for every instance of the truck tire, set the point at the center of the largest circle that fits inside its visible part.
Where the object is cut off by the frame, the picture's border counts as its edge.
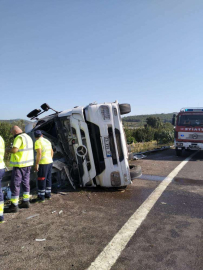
(124, 108)
(135, 171)
(179, 152)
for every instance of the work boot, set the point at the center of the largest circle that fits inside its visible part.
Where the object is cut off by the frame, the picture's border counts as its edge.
(1, 219)
(48, 197)
(40, 199)
(37, 200)
(11, 209)
(24, 204)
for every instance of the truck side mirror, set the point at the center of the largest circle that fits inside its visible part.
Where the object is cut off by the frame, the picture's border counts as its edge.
(45, 107)
(174, 120)
(34, 113)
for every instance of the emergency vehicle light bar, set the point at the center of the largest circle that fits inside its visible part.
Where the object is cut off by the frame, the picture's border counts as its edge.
(191, 110)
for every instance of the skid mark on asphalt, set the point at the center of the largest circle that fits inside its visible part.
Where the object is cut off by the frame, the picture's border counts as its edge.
(112, 251)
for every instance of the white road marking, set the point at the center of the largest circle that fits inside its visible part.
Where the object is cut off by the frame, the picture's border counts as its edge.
(112, 251)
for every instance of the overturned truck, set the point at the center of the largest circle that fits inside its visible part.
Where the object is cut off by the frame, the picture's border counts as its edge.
(89, 144)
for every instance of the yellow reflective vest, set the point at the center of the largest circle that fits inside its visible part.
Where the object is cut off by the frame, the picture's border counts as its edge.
(2, 152)
(25, 155)
(46, 148)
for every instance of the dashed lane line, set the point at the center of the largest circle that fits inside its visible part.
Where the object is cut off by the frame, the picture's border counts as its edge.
(112, 251)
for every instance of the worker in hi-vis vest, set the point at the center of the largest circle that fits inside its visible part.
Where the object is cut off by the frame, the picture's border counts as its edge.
(43, 166)
(2, 171)
(22, 158)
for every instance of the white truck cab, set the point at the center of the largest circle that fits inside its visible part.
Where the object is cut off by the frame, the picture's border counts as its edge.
(89, 143)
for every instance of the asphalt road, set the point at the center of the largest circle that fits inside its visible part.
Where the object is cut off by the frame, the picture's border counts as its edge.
(170, 237)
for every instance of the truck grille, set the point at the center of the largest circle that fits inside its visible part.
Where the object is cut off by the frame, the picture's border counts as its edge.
(190, 136)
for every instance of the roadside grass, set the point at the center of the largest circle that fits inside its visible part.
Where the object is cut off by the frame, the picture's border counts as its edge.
(145, 146)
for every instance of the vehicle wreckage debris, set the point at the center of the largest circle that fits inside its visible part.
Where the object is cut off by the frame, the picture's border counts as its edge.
(88, 197)
(63, 193)
(33, 216)
(53, 212)
(40, 240)
(60, 212)
(61, 166)
(58, 165)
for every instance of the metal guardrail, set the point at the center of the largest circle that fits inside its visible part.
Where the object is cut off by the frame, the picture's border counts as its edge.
(154, 150)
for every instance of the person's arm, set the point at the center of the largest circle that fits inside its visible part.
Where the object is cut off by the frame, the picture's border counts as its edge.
(16, 145)
(38, 157)
(52, 153)
(12, 150)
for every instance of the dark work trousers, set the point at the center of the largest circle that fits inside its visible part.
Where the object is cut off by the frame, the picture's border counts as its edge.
(2, 172)
(20, 175)
(44, 181)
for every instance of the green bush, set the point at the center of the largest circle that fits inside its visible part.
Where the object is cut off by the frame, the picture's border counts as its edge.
(130, 140)
(154, 130)
(164, 136)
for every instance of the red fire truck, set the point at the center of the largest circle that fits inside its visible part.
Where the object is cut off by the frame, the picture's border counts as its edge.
(188, 129)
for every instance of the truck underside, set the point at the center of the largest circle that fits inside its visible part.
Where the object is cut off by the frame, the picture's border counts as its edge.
(65, 166)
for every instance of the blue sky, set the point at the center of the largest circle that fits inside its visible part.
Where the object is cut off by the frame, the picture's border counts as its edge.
(66, 53)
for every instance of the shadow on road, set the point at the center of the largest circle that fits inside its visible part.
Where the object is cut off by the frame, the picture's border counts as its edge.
(170, 155)
(188, 181)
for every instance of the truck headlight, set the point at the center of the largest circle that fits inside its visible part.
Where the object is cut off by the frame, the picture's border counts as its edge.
(115, 179)
(179, 144)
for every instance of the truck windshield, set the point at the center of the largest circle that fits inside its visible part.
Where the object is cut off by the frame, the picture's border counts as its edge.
(191, 120)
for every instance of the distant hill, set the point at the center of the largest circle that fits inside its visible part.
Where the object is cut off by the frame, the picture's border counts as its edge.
(13, 121)
(140, 120)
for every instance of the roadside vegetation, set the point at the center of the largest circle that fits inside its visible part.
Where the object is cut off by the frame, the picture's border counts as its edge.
(137, 121)
(154, 131)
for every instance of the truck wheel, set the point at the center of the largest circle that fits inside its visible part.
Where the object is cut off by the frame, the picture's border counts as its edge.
(124, 108)
(135, 171)
(179, 152)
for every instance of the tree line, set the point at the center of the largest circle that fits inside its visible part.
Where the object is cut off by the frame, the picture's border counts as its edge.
(140, 120)
(154, 129)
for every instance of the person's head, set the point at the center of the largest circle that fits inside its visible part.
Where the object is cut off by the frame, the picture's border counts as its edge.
(37, 134)
(15, 130)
